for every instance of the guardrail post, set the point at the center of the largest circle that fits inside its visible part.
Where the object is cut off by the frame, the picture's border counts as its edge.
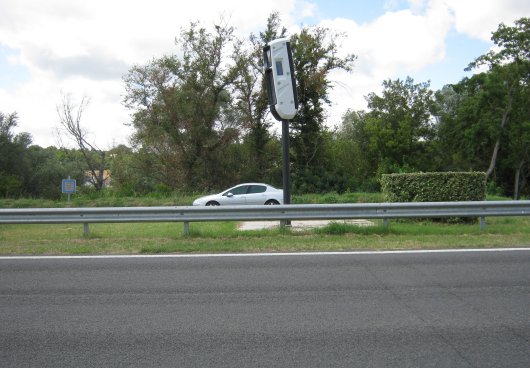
(385, 223)
(285, 223)
(86, 229)
(186, 228)
(482, 220)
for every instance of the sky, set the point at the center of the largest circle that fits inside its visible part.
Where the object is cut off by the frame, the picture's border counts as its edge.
(78, 48)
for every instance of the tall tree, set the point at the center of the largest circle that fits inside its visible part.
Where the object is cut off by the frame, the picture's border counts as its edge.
(451, 145)
(511, 63)
(252, 102)
(400, 125)
(183, 110)
(352, 144)
(315, 55)
(14, 165)
(518, 156)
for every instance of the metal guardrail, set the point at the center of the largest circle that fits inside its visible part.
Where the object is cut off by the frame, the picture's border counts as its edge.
(385, 211)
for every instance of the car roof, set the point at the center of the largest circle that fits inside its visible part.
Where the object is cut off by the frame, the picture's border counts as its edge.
(237, 185)
(267, 185)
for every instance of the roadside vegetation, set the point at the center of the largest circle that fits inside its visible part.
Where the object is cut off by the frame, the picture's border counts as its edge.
(152, 238)
(108, 198)
(201, 123)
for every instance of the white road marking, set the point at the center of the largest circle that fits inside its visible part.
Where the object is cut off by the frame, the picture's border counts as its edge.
(279, 254)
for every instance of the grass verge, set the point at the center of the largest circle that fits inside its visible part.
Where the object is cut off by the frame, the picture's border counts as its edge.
(224, 237)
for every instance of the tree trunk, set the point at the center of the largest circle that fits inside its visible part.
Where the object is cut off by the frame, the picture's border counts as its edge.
(517, 187)
(493, 161)
(495, 153)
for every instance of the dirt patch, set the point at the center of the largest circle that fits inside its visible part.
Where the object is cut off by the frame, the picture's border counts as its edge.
(298, 225)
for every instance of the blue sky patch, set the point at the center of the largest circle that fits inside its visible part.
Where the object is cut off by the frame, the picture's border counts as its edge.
(358, 11)
(11, 74)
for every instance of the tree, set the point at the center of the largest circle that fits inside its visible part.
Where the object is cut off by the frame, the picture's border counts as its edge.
(94, 157)
(512, 65)
(132, 171)
(452, 146)
(252, 102)
(14, 163)
(518, 158)
(48, 167)
(352, 151)
(315, 55)
(400, 125)
(183, 111)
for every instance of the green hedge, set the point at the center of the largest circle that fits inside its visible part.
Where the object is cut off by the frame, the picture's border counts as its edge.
(434, 187)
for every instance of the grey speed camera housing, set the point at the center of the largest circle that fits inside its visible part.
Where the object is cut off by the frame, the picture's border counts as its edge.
(280, 79)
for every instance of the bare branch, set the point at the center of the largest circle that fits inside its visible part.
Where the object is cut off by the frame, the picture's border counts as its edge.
(70, 120)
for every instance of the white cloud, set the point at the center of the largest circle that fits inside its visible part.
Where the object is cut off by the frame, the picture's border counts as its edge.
(479, 18)
(84, 47)
(395, 43)
(403, 41)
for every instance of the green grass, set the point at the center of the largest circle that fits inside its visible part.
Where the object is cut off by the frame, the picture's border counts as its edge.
(101, 200)
(224, 237)
(106, 200)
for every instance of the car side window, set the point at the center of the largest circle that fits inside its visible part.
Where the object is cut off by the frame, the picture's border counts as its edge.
(238, 190)
(254, 189)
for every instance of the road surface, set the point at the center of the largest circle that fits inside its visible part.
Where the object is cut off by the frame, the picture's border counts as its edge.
(448, 309)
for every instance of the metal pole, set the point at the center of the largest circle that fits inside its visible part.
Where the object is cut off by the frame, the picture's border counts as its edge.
(482, 220)
(86, 229)
(286, 174)
(68, 192)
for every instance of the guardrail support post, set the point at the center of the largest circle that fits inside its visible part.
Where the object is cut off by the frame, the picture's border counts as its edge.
(285, 223)
(482, 220)
(86, 229)
(385, 223)
(186, 228)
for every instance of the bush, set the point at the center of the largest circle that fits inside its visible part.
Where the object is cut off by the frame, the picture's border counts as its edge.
(434, 187)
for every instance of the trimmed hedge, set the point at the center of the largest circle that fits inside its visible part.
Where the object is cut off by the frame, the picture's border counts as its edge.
(434, 187)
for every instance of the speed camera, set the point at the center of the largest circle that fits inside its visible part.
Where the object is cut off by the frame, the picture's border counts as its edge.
(280, 79)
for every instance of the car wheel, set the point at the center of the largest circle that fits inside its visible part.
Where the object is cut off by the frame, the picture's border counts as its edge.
(271, 202)
(212, 203)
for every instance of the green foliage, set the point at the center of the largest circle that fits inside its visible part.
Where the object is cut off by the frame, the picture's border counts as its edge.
(201, 124)
(14, 164)
(397, 135)
(87, 196)
(351, 155)
(508, 89)
(333, 197)
(399, 126)
(259, 158)
(434, 187)
(183, 114)
(513, 45)
(10, 185)
(315, 57)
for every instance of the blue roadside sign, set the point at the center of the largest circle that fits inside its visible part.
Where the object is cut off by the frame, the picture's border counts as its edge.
(68, 186)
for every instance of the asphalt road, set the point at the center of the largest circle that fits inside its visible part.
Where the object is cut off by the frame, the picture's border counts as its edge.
(468, 309)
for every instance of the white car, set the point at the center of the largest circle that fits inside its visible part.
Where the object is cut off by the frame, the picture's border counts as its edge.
(243, 194)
